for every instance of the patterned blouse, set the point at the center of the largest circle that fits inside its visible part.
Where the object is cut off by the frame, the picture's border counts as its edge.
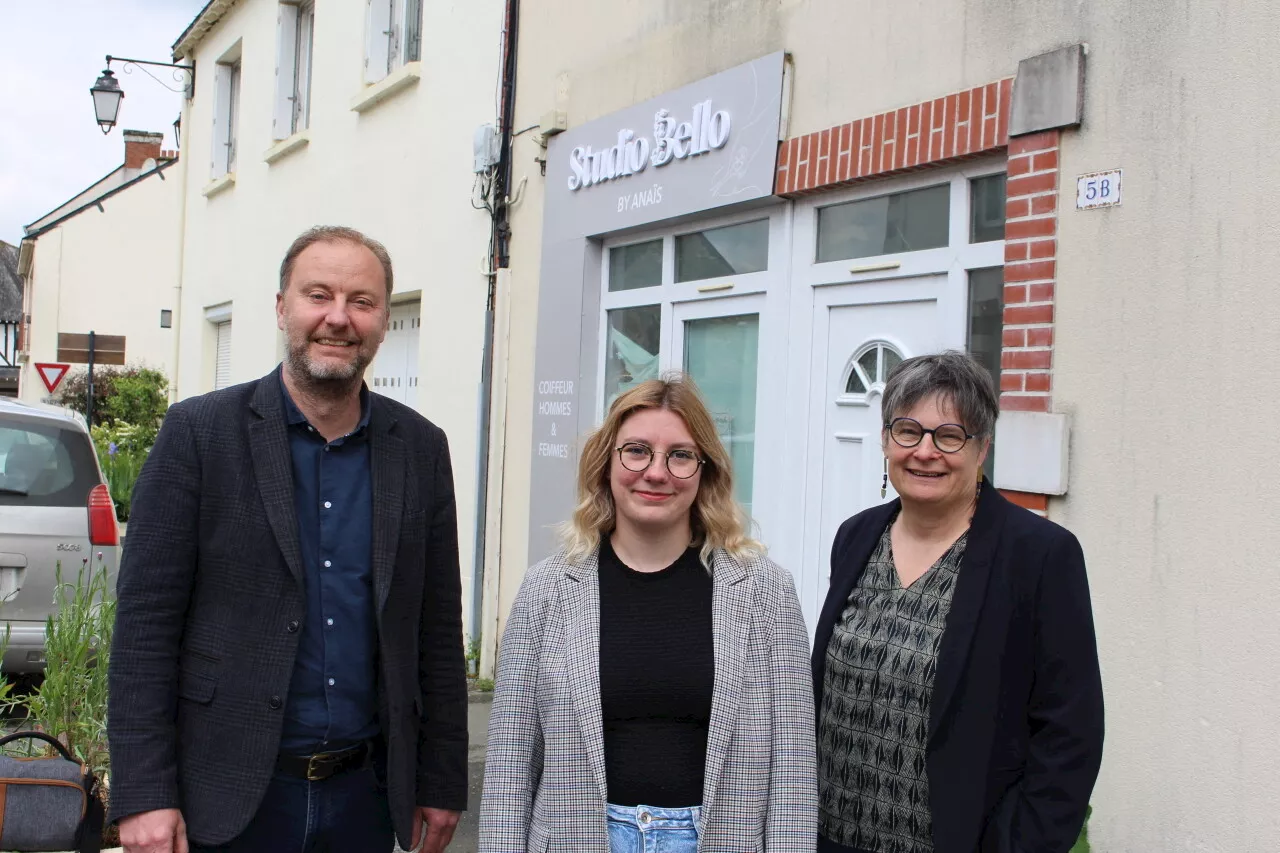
(874, 720)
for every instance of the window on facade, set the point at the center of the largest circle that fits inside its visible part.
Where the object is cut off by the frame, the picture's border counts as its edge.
(986, 327)
(731, 250)
(986, 209)
(902, 222)
(225, 116)
(871, 368)
(294, 38)
(393, 36)
(635, 266)
(631, 349)
(411, 38)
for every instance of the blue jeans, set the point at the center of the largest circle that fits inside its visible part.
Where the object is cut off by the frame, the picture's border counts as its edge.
(644, 829)
(346, 813)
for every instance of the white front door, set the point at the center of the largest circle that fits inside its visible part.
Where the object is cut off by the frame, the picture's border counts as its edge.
(859, 333)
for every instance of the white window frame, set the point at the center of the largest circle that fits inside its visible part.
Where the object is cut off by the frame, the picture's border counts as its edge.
(295, 37)
(393, 36)
(875, 386)
(954, 260)
(226, 108)
(219, 317)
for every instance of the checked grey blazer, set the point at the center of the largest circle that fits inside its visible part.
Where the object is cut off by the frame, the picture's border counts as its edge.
(544, 781)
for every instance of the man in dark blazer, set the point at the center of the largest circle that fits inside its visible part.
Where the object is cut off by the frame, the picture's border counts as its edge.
(287, 671)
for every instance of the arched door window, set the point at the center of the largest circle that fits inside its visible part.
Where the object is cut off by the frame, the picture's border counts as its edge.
(867, 372)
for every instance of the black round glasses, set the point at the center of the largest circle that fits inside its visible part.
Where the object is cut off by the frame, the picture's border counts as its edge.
(908, 432)
(681, 464)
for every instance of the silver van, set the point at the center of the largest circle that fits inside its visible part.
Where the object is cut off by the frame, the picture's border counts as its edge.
(54, 506)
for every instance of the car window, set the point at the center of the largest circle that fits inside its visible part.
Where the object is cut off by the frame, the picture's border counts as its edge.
(45, 465)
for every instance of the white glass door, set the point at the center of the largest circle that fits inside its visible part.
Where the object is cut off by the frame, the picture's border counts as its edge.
(717, 342)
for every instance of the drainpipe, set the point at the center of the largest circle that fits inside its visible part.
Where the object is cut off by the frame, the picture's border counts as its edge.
(500, 259)
(183, 168)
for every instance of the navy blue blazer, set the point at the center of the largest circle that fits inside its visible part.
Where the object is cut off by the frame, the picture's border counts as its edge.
(1016, 720)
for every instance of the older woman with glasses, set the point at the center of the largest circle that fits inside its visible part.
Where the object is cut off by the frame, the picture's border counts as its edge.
(958, 697)
(653, 689)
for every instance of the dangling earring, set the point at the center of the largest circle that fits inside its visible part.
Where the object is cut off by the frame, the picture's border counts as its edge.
(884, 484)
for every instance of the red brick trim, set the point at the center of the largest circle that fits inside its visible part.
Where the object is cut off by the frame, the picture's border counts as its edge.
(1027, 500)
(950, 129)
(1030, 273)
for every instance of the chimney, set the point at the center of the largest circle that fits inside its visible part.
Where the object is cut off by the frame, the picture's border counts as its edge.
(141, 146)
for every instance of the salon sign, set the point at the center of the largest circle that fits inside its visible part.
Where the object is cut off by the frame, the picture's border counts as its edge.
(708, 130)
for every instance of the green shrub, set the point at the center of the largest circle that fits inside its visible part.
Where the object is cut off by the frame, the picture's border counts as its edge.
(133, 394)
(139, 399)
(122, 448)
(128, 406)
(71, 703)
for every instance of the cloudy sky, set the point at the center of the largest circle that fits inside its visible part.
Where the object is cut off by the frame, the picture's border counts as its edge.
(53, 51)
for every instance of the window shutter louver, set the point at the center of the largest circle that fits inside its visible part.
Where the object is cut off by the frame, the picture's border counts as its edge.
(222, 357)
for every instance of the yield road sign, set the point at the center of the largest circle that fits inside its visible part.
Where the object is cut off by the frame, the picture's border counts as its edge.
(51, 374)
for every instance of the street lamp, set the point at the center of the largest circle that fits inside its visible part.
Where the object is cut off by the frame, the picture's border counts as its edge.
(107, 95)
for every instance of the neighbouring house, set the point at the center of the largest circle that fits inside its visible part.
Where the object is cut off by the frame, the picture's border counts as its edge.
(359, 114)
(10, 319)
(105, 261)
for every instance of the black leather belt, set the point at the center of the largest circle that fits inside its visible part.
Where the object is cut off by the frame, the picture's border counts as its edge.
(322, 765)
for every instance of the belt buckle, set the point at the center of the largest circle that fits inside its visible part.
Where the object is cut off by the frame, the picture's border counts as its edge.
(314, 767)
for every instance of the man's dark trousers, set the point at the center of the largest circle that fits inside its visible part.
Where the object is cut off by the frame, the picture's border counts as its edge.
(346, 813)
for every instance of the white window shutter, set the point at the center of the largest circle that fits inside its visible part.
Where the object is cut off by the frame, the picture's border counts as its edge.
(377, 49)
(286, 61)
(221, 118)
(222, 356)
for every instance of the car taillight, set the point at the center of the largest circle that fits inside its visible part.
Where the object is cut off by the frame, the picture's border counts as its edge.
(102, 517)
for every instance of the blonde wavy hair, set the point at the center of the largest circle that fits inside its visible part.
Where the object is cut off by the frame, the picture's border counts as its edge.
(716, 518)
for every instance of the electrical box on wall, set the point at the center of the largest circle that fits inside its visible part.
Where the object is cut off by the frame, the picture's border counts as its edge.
(1031, 452)
(485, 145)
(553, 122)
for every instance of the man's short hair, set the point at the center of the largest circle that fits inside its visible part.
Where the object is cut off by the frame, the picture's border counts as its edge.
(333, 234)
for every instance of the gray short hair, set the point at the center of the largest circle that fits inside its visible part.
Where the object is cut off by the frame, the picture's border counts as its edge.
(333, 234)
(958, 377)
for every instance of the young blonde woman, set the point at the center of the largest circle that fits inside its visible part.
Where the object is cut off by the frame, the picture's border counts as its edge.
(653, 691)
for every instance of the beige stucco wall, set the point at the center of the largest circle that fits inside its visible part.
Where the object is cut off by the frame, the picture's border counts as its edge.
(111, 272)
(1166, 322)
(400, 172)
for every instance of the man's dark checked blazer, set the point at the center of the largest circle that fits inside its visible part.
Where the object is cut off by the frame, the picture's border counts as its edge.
(211, 591)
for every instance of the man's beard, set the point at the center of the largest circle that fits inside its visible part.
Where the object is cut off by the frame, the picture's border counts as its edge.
(326, 380)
